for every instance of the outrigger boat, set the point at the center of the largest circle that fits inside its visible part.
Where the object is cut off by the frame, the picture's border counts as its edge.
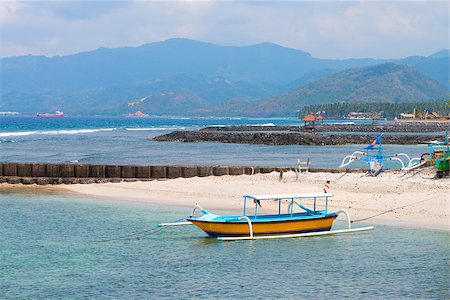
(374, 156)
(307, 222)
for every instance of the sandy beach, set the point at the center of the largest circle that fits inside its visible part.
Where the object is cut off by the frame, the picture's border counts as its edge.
(415, 200)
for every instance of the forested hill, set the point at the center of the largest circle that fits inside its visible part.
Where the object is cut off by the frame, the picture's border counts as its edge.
(186, 77)
(382, 83)
(382, 109)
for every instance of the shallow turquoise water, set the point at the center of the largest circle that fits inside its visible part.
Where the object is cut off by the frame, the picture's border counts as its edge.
(49, 249)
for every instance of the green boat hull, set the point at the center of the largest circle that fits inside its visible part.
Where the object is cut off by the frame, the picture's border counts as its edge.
(443, 165)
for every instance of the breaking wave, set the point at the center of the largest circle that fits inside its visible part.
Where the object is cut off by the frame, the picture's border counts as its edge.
(153, 128)
(53, 132)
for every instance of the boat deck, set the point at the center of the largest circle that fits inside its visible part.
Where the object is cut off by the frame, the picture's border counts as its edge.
(264, 218)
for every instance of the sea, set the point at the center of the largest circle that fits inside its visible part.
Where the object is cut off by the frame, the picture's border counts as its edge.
(55, 246)
(63, 246)
(127, 140)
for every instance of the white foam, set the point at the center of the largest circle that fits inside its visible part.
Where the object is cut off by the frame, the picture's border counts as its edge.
(263, 125)
(6, 134)
(53, 132)
(154, 128)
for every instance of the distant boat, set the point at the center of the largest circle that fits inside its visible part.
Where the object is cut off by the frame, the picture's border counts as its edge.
(138, 114)
(47, 115)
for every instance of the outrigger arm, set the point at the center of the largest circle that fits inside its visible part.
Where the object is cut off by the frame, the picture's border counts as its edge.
(204, 211)
(351, 158)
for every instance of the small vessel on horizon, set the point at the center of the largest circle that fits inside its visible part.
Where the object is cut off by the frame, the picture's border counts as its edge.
(137, 114)
(47, 115)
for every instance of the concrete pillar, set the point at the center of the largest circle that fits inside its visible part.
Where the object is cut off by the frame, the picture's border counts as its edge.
(24, 169)
(159, 172)
(67, 170)
(128, 171)
(188, 171)
(203, 171)
(10, 169)
(249, 170)
(113, 171)
(53, 170)
(97, 171)
(82, 171)
(38, 170)
(220, 170)
(235, 170)
(264, 170)
(143, 171)
(173, 171)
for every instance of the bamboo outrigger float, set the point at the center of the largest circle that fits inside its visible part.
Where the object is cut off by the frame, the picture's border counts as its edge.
(308, 222)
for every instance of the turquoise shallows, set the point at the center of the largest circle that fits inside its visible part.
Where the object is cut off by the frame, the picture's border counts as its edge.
(48, 249)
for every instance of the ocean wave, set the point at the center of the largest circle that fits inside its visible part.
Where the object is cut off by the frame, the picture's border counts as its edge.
(154, 128)
(6, 141)
(53, 132)
(262, 125)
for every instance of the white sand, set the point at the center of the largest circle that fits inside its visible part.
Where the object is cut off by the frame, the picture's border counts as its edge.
(360, 195)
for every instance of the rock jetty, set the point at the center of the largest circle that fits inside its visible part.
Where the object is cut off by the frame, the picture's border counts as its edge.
(345, 127)
(292, 138)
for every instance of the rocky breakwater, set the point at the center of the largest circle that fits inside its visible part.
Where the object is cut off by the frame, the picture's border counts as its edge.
(291, 138)
(345, 127)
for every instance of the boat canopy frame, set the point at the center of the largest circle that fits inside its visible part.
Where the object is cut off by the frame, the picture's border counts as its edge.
(293, 197)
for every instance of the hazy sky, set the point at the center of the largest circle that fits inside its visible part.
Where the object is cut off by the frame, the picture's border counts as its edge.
(326, 29)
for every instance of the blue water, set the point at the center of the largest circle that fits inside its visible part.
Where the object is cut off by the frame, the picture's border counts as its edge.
(122, 140)
(49, 249)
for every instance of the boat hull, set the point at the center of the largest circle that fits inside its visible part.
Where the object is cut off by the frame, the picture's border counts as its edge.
(216, 229)
(50, 115)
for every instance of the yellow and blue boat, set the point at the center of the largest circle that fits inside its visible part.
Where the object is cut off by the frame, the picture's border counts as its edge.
(308, 220)
(288, 222)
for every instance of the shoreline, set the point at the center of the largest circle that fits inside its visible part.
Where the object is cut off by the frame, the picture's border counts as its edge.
(424, 201)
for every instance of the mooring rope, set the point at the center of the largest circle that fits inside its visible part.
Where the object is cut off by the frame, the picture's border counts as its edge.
(394, 209)
(341, 176)
(137, 235)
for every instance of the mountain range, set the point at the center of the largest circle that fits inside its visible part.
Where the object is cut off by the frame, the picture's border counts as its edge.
(186, 77)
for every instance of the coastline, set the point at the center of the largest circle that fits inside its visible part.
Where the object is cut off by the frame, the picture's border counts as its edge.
(424, 201)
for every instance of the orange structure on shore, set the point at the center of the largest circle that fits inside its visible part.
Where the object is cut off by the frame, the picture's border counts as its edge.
(309, 119)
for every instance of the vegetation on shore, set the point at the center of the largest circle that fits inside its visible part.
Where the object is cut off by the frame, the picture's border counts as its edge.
(383, 109)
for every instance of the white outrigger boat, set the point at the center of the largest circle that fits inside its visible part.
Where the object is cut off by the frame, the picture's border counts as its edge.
(307, 222)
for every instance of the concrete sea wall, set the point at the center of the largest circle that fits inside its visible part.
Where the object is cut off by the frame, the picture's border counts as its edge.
(49, 173)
